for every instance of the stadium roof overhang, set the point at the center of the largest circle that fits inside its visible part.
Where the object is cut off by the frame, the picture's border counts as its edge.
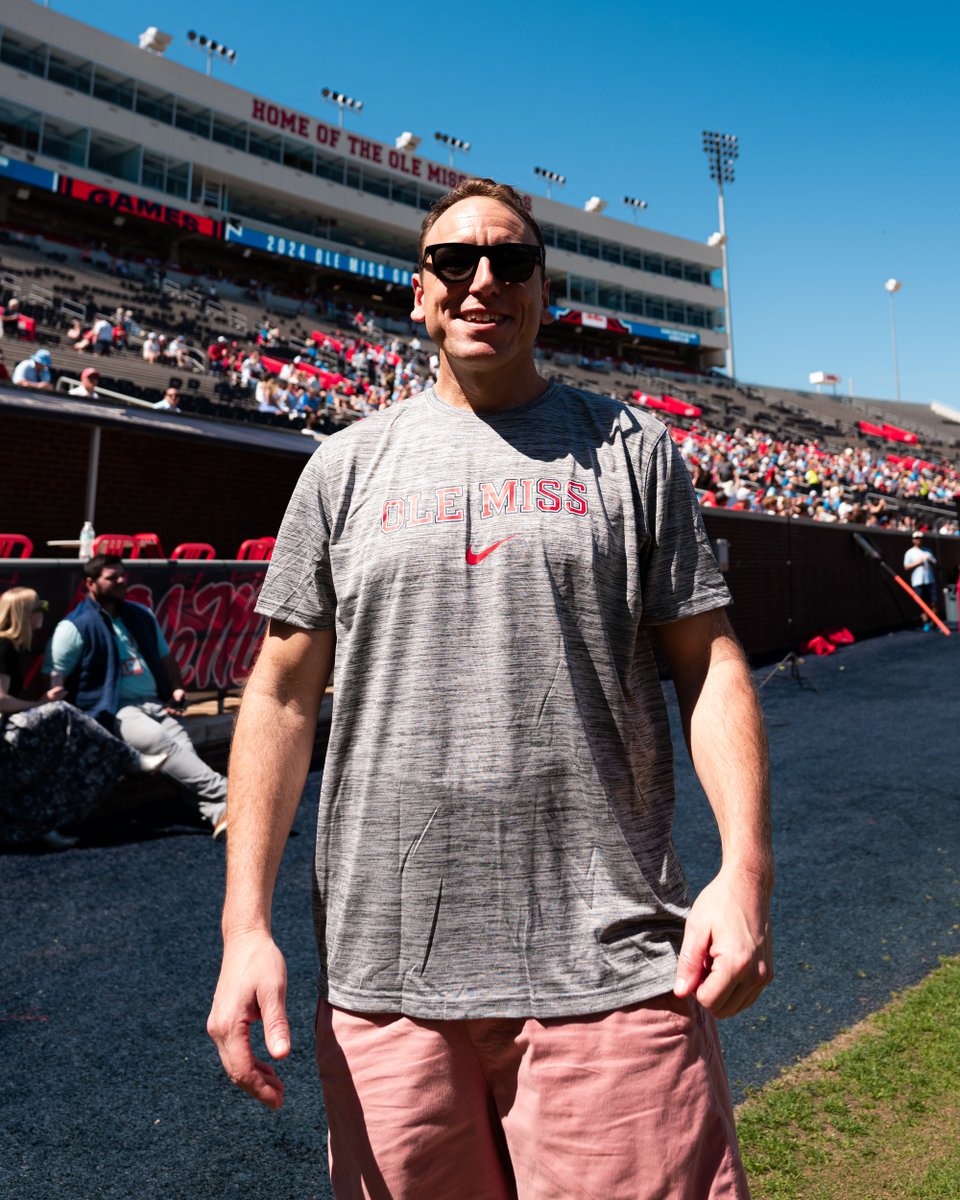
(102, 414)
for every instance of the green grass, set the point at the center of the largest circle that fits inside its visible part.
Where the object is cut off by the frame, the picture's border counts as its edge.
(874, 1115)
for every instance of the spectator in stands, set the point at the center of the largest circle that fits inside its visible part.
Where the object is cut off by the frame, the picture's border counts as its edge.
(117, 667)
(177, 350)
(919, 561)
(74, 334)
(10, 319)
(291, 396)
(102, 336)
(34, 372)
(309, 404)
(4, 373)
(87, 387)
(269, 396)
(56, 763)
(170, 401)
(152, 348)
(251, 369)
(215, 355)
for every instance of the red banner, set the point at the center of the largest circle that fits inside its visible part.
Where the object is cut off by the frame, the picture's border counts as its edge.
(206, 612)
(129, 205)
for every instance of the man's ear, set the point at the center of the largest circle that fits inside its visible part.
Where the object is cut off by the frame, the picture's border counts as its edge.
(417, 313)
(546, 316)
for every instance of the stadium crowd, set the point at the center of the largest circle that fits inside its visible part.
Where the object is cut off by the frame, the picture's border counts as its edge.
(747, 470)
(331, 378)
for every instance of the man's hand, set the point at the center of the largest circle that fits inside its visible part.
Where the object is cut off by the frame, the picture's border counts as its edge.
(178, 702)
(252, 987)
(727, 952)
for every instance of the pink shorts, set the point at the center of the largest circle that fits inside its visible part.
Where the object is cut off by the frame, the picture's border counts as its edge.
(624, 1105)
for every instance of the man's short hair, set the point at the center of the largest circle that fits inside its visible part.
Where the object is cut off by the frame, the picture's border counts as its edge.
(94, 567)
(503, 193)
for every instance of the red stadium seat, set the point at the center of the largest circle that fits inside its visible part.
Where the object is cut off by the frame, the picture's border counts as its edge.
(194, 550)
(257, 548)
(121, 544)
(15, 545)
(147, 545)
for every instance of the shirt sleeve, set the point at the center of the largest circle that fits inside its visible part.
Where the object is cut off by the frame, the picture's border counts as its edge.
(679, 572)
(298, 587)
(64, 649)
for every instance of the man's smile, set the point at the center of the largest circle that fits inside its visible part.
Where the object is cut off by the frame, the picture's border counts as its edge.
(482, 318)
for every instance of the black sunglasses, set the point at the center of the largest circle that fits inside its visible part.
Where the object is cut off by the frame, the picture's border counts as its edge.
(42, 606)
(456, 262)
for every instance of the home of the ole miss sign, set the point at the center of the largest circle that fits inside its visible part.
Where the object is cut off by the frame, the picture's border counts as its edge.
(287, 121)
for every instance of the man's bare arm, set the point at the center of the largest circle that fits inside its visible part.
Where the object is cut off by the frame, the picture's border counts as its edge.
(727, 953)
(268, 766)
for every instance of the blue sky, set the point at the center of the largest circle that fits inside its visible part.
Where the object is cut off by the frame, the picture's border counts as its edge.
(848, 117)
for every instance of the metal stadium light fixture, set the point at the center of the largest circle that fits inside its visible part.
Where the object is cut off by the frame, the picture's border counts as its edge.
(453, 144)
(595, 205)
(342, 101)
(407, 141)
(893, 286)
(211, 47)
(551, 178)
(722, 151)
(154, 40)
(634, 205)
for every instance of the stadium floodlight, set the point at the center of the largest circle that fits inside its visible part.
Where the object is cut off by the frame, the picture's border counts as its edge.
(634, 205)
(893, 286)
(551, 178)
(407, 141)
(154, 40)
(453, 144)
(342, 102)
(722, 151)
(210, 46)
(595, 205)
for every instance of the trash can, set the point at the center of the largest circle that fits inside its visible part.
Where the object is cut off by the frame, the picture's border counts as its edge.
(950, 604)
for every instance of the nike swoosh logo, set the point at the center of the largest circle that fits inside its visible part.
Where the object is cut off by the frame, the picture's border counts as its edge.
(474, 557)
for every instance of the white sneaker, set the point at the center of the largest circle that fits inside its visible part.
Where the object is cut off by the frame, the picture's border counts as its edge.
(150, 764)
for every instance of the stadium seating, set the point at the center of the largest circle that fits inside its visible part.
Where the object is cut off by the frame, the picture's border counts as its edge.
(256, 549)
(15, 545)
(147, 545)
(193, 550)
(120, 544)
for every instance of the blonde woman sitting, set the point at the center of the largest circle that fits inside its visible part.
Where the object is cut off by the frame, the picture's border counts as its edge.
(56, 763)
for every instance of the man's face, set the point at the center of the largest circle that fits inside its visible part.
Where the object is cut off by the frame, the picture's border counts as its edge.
(482, 320)
(172, 397)
(110, 585)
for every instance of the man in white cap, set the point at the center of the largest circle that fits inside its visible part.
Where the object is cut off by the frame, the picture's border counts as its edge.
(920, 563)
(34, 372)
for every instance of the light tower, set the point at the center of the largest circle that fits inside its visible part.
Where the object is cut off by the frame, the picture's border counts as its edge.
(452, 144)
(551, 178)
(893, 286)
(722, 151)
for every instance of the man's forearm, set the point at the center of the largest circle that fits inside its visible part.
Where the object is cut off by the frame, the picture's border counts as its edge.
(723, 726)
(728, 746)
(269, 762)
(272, 747)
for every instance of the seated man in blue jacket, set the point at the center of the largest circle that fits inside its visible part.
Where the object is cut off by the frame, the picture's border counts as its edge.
(117, 667)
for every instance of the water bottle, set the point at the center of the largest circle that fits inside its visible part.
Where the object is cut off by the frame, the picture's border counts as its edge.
(86, 541)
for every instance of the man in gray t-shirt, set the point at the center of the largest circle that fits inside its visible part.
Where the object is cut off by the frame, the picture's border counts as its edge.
(493, 561)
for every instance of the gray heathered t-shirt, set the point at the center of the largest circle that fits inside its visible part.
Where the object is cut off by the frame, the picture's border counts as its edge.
(495, 814)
